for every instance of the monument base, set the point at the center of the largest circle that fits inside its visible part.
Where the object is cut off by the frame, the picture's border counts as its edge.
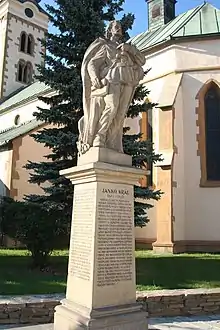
(101, 288)
(104, 155)
(125, 317)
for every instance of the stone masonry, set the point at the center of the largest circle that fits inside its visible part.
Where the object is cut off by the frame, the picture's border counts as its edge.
(181, 302)
(40, 309)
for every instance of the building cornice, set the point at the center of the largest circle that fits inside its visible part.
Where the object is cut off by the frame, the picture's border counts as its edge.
(27, 101)
(175, 41)
(178, 71)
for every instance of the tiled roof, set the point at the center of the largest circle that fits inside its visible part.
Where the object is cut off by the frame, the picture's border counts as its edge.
(200, 21)
(10, 134)
(26, 93)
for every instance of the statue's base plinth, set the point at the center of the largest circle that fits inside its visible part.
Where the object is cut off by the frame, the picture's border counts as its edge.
(103, 155)
(128, 317)
(101, 288)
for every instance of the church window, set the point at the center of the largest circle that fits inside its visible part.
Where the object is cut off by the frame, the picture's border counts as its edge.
(209, 134)
(156, 11)
(30, 45)
(21, 66)
(28, 72)
(27, 43)
(17, 120)
(212, 131)
(29, 12)
(25, 72)
(23, 42)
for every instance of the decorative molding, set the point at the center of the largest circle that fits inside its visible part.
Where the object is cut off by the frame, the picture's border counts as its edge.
(192, 69)
(198, 246)
(175, 149)
(5, 61)
(24, 21)
(145, 242)
(163, 248)
(174, 42)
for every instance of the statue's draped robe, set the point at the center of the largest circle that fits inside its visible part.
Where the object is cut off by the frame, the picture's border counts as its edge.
(120, 73)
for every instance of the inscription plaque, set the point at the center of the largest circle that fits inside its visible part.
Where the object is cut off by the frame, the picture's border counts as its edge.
(80, 254)
(115, 238)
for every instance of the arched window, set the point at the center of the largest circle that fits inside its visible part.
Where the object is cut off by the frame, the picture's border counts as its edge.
(17, 120)
(28, 73)
(209, 134)
(27, 43)
(156, 11)
(212, 132)
(21, 65)
(30, 45)
(23, 42)
(25, 72)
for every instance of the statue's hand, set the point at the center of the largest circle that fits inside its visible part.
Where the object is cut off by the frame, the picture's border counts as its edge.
(96, 83)
(124, 47)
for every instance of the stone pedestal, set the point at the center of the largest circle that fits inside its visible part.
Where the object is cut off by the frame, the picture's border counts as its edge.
(101, 288)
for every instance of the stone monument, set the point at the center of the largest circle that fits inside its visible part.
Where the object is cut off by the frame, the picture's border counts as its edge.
(101, 286)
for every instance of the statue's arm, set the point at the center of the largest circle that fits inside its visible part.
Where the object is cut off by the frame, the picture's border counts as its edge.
(95, 63)
(136, 55)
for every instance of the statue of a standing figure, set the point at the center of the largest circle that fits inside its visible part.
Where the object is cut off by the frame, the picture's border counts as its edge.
(111, 71)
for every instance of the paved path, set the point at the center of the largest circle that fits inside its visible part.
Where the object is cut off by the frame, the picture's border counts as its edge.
(186, 323)
(176, 323)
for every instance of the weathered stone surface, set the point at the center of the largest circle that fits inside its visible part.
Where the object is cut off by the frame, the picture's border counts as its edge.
(14, 315)
(40, 312)
(36, 305)
(188, 302)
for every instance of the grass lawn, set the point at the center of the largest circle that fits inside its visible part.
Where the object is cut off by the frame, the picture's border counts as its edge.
(153, 272)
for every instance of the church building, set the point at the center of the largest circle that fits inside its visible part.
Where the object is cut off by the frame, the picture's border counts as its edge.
(183, 53)
(22, 24)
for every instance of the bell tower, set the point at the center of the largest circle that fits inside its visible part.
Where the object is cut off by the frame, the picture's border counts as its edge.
(160, 12)
(22, 24)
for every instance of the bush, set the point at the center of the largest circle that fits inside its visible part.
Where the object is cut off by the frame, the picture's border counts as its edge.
(36, 228)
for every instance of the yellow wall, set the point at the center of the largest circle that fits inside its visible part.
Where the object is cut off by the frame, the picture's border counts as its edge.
(25, 148)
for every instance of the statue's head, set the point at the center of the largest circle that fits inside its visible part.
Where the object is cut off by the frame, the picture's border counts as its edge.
(114, 31)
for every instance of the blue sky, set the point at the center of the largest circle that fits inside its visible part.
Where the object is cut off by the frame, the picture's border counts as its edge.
(139, 9)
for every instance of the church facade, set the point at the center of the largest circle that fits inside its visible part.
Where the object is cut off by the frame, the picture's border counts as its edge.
(183, 53)
(23, 23)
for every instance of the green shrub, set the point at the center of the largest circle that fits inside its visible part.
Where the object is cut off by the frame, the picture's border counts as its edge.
(36, 228)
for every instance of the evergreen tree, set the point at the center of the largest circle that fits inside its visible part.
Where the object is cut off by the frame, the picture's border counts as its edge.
(79, 23)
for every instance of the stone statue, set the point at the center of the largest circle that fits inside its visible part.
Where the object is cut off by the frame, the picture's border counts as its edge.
(111, 71)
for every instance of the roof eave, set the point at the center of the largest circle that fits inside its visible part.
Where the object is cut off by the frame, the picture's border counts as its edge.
(173, 40)
(23, 102)
(7, 142)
